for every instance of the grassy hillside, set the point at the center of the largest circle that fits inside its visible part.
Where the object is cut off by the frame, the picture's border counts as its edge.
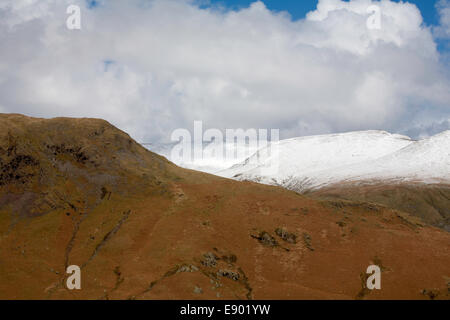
(79, 191)
(431, 203)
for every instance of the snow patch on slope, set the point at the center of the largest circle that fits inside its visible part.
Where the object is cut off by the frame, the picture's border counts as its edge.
(318, 161)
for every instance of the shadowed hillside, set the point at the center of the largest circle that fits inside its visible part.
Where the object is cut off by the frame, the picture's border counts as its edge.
(431, 203)
(79, 191)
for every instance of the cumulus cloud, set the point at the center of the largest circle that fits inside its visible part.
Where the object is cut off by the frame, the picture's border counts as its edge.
(153, 66)
(443, 30)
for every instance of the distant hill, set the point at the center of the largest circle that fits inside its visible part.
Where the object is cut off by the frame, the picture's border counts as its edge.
(373, 166)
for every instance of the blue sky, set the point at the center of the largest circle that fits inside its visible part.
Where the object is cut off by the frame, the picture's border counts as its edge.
(299, 8)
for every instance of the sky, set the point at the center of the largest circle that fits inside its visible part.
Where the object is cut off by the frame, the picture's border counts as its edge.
(299, 8)
(304, 67)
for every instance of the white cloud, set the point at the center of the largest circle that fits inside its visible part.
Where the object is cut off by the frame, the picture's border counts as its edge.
(443, 7)
(171, 63)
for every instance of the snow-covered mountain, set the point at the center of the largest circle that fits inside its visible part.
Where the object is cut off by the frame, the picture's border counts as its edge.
(313, 162)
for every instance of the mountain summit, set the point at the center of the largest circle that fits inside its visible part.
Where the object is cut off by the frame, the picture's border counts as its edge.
(310, 163)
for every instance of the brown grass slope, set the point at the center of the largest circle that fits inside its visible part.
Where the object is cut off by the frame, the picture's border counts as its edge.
(79, 191)
(429, 202)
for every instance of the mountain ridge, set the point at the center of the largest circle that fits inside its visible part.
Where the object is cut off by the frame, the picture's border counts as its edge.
(327, 166)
